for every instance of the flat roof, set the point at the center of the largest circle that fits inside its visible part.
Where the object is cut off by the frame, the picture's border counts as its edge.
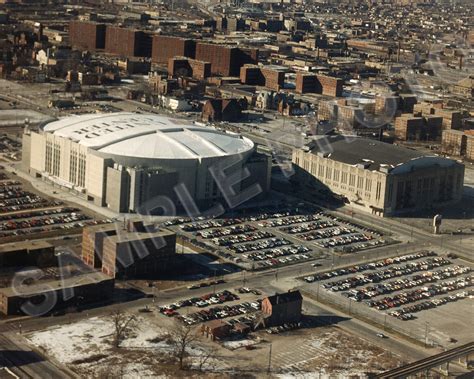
(148, 136)
(24, 245)
(356, 150)
(44, 286)
(120, 234)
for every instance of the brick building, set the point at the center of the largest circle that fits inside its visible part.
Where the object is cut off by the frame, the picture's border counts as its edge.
(458, 143)
(128, 42)
(325, 85)
(135, 250)
(216, 329)
(282, 308)
(390, 104)
(166, 47)
(272, 77)
(186, 67)
(87, 35)
(452, 119)
(409, 127)
(225, 61)
(85, 288)
(20, 254)
(221, 110)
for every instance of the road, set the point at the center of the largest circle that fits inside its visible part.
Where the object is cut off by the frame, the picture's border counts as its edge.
(23, 362)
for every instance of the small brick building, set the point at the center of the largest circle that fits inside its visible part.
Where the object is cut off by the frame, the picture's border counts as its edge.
(282, 308)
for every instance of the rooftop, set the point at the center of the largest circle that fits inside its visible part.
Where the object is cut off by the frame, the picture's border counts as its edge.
(148, 136)
(371, 153)
(287, 297)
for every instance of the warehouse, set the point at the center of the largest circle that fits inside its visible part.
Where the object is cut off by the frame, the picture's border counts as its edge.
(124, 160)
(378, 177)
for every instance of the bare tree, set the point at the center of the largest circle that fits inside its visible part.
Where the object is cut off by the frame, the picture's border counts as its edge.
(205, 357)
(123, 324)
(182, 337)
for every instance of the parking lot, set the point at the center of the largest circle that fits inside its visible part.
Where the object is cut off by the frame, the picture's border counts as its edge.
(401, 288)
(237, 306)
(26, 213)
(275, 239)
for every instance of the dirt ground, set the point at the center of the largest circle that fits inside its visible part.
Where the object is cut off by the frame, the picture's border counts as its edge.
(86, 348)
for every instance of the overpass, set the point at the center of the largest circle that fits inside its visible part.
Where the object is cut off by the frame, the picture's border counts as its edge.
(439, 362)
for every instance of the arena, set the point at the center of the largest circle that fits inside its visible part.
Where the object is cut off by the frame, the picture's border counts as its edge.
(123, 161)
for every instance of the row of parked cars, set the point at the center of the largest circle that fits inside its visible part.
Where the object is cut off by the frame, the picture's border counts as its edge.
(385, 274)
(303, 228)
(220, 312)
(361, 246)
(37, 213)
(208, 224)
(241, 238)
(407, 312)
(370, 266)
(43, 221)
(253, 246)
(295, 252)
(232, 230)
(420, 293)
(201, 223)
(203, 301)
(54, 227)
(28, 201)
(8, 183)
(401, 284)
(286, 221)
(326, 233)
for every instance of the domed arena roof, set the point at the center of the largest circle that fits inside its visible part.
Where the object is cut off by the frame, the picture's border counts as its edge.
(148, 136)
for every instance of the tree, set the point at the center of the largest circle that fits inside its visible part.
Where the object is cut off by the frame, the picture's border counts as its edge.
(182, 337)
(123, 324)
(205, 356)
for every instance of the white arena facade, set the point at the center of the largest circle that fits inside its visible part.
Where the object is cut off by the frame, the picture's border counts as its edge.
(125, 160)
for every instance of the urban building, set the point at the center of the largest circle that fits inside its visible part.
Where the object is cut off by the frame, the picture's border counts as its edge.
(87, 35)
(272, 77)
(377, 177)
(412, 128)
(221, 110)
(85, 288)
(124, 160)
(186, 67)
(216, 329)
(282, 308)
(129, 250)
(459, 143)
(27, 253)
(452, 119)
(166, 47)
(127, 42)
(325, 85)
(225, 60)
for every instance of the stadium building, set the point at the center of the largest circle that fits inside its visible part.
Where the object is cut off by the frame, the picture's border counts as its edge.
(125, 160)
(377, 177)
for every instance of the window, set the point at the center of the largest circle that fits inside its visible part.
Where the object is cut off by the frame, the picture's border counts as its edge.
(377, 191)
(360, 182)
(352, 180)
(321, 170)
(368, 185)
(328, 172)
(344, 177)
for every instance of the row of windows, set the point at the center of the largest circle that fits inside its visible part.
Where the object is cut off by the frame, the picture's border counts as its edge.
(338, 176)
(77, 164)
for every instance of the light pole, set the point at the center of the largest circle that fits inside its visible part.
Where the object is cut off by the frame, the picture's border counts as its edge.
(426, 334)
(269, 369)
